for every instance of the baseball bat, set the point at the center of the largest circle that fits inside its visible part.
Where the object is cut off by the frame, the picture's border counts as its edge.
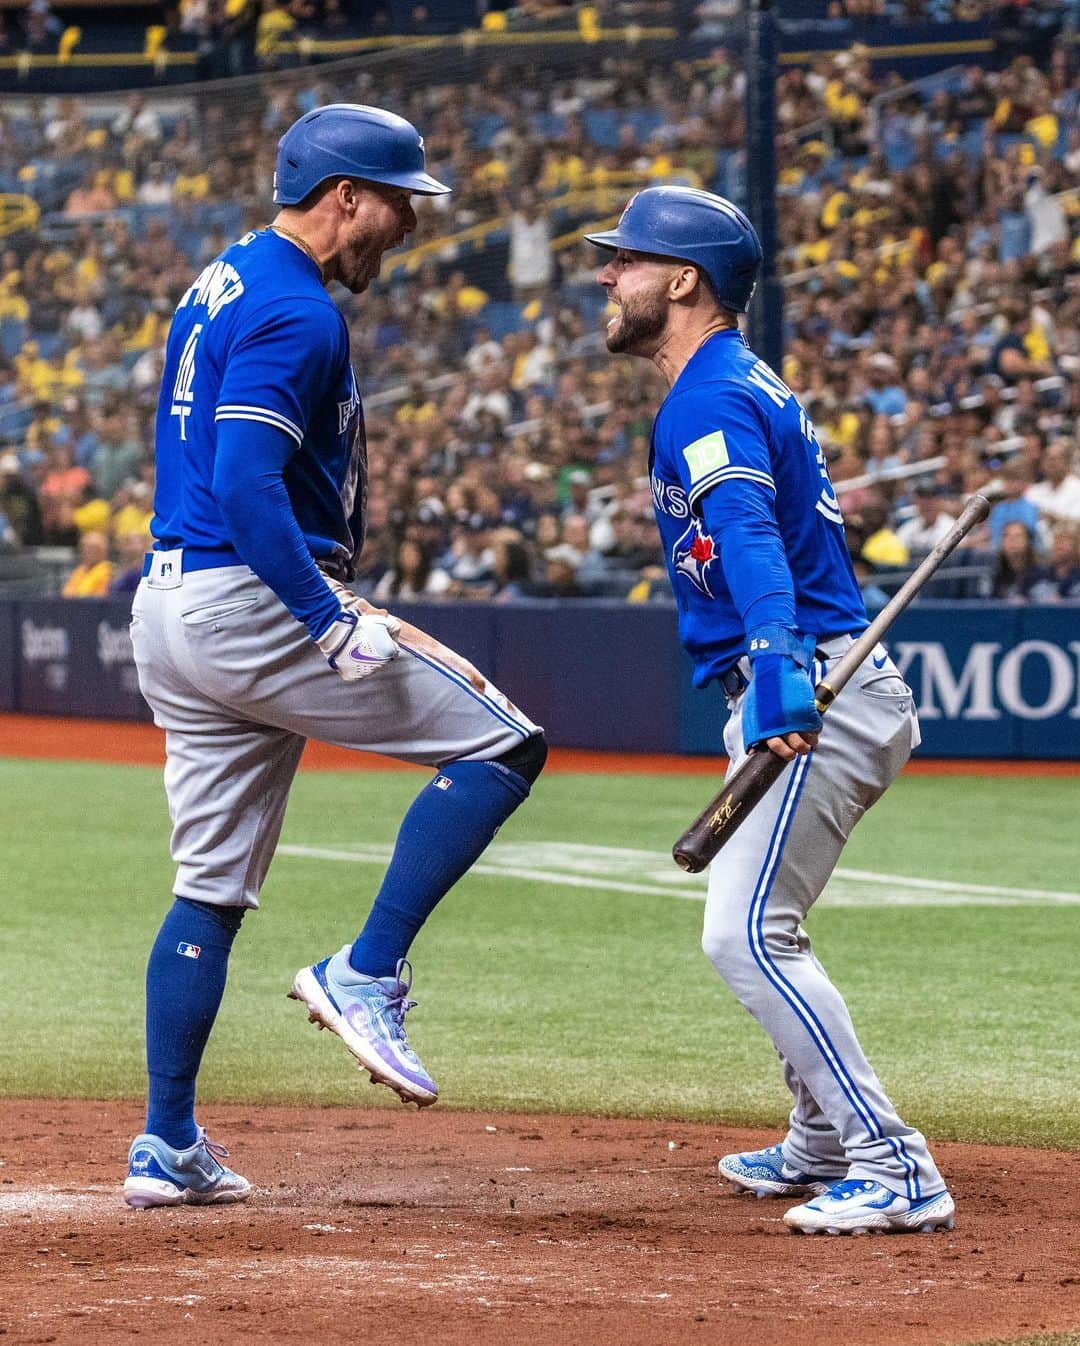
(725, 813)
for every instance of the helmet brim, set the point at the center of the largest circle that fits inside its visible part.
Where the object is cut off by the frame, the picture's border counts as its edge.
(420, 184)
(613, 239)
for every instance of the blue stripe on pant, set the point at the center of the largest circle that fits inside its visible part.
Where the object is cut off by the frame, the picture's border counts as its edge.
(802, 1010)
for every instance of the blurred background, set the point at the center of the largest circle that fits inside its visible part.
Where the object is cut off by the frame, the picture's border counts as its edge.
(921, 160)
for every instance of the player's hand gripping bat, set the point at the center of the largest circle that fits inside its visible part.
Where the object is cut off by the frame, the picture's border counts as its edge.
(697, 846)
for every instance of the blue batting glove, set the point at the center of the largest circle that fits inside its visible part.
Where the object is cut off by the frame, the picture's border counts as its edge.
(780, 698)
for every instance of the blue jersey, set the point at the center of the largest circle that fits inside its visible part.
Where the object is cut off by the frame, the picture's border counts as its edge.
(257, 339)
(751, 528)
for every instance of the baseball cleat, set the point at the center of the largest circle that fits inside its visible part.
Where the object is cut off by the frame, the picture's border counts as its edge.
(368, 1015)
(859, 1206)
(158, 1175)
(765, 1173)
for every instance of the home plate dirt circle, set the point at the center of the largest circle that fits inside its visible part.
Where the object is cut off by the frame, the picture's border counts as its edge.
(501, 1228)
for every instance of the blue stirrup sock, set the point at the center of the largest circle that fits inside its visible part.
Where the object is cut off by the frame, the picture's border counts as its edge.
(185, 978)
(450, 823)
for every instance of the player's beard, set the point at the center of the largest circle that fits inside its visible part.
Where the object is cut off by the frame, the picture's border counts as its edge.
(641, 322)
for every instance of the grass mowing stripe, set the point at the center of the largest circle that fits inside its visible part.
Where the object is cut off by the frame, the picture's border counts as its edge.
(534, 995)
(566, 864)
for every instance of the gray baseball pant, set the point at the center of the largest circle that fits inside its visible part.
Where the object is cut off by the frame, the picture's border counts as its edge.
(238, 687)
(761, 886)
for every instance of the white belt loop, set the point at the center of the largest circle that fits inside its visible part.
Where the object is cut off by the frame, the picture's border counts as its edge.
(166, 569)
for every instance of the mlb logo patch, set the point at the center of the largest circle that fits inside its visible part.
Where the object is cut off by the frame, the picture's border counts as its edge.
(442, 782)
(188, 950)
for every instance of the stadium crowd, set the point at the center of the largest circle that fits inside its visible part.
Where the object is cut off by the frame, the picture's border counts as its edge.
(931, 256)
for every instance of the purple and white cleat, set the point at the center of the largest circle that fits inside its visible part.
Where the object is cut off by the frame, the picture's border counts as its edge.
(368, 1015)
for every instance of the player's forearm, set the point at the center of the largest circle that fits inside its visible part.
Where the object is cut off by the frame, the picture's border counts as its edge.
(251, 495)
(752, 554)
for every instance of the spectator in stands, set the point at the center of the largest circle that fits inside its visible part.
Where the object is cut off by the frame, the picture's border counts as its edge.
(156, 189)
(131, 551)
(133, 509)
(1015, 568)
(137, 118)
(560, 575)
(470, 561)
(118, 453)
(91, 197)
(883, 454)
(1059, 580)
(63, 489)
(929, 525)
(884, 394)
(880, 545)
(512, 568)
(1014, 507)
(1057, 495)
(91, 577)
(532, 264)
(18, 504)
(1022, 352)
(413, 576)
(591, 569)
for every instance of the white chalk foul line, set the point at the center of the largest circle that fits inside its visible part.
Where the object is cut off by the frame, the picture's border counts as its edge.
(653, 874)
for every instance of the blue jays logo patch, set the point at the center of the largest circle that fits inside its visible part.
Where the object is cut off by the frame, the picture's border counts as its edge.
(692, 555)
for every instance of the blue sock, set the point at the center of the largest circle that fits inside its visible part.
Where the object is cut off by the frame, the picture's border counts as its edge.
(185, 978)
(450, 823)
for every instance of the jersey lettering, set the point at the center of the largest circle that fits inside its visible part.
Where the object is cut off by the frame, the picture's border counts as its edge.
(705, 455)
(217, 285)
(761, 376)
(669, 499)
(183, 397)
(827, 504)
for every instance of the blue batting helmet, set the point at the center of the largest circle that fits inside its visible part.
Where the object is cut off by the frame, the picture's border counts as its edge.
(693, 226)
(348, 140)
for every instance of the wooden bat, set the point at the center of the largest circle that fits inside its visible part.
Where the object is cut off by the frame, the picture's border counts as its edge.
(720, 818)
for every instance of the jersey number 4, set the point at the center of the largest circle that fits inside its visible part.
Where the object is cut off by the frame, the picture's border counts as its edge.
(182, 394)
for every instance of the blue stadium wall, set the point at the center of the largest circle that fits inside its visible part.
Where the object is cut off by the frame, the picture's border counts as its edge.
(990, 680)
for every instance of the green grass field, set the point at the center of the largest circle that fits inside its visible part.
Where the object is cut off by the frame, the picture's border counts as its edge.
(568, 974)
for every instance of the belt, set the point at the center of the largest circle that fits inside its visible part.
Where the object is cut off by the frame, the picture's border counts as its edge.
(736, 679)
(213, 558)
(197, 558)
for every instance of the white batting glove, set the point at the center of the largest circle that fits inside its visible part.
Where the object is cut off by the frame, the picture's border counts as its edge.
(360, 643)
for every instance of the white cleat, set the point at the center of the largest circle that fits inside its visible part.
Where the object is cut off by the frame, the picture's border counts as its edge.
(859, 1206)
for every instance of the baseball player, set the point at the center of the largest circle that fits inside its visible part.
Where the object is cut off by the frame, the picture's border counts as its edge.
(248, 640)
(754, 541)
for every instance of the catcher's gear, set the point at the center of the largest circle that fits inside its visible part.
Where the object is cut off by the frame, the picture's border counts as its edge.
(693, 226)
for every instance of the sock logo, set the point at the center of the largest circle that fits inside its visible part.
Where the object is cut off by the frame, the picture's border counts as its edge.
(442, 782)
(188, 950)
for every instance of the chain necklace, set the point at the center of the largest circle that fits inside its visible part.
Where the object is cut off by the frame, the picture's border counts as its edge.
(294, 238)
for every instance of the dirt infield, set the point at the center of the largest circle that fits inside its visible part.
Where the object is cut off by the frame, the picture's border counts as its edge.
(53, 737)
(453, 1227)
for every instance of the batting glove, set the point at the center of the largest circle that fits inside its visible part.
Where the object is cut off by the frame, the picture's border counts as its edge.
(360, 643)
(780, 699)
